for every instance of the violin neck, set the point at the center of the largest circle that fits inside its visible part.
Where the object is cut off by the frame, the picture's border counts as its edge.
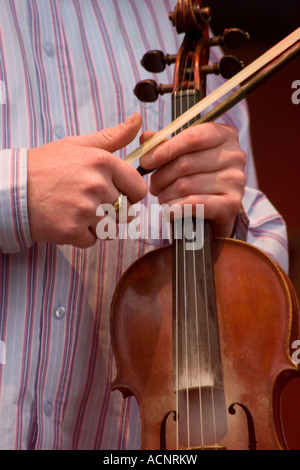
(181, 102)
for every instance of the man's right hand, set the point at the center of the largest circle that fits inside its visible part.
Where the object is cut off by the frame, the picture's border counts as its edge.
(68, 179)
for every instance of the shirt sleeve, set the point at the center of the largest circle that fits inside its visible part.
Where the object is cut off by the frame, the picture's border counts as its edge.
(261, 225)
(14, 225)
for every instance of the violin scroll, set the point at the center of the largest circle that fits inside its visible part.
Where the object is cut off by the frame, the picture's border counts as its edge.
(191, 62)
(190, 17)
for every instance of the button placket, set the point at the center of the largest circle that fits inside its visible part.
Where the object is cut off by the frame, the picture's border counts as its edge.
(49, 50)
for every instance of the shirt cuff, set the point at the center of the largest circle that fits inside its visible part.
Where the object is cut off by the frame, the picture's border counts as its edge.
(241, 225)
(14, 224)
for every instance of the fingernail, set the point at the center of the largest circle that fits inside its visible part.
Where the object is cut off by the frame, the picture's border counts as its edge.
(132, 119)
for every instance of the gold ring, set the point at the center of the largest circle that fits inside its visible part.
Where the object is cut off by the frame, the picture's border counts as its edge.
(119, 202)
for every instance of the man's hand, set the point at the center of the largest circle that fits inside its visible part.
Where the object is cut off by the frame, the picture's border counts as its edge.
(201, 165)
(69, 178)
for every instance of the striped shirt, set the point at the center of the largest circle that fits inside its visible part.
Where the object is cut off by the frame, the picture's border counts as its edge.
(68, 68)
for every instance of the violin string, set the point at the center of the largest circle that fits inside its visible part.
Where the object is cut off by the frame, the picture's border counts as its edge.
(176, 332)
(186, 372)
(198, 355)
(176, 322)
(177, 359)
(197, 333)
(188, 430)
(186, 347)
(181, 88)
(177, 233)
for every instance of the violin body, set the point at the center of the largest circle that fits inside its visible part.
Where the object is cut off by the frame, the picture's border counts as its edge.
(257, 318)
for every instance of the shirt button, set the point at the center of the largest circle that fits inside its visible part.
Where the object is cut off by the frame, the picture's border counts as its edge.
(48, 408)
(59, 312)
(59, 131)
(49, 49)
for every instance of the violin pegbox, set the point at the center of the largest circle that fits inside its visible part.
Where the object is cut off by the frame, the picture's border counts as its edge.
(191, 62)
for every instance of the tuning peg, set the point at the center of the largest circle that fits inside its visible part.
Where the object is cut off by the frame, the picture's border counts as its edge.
(149, 90)
(232, 38)
(155, 61)
(228, 66)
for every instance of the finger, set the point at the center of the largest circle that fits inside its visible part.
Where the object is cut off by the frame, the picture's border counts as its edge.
(220, 210)
(88, 240)
(185, 186)
(184, 166)
(167, 183)
(80, 238)
(110, 175)
(196, 138)
(129, 182)
(143, 138)
(115, 138)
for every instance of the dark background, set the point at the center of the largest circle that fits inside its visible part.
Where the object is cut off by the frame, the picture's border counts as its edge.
(275, 130)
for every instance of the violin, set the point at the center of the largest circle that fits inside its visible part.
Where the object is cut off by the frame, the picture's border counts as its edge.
(201, 332)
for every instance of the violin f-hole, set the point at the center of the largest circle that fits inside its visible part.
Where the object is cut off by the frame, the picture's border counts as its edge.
(250, 424)
(163, 429)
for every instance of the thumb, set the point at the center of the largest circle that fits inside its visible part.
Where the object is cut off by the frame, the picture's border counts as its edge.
(114, 138)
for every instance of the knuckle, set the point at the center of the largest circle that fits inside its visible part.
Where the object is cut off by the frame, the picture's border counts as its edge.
(233, 130)
(237, 176)
(183, 164)
(96, 184)
(234, 203)
(181, 187)
(108, 134)
(84, 210)
(194, 136)
(236, 158)
(241, 157)
(101, 160)
(99, 187)
(242, 179)
(229, 175)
